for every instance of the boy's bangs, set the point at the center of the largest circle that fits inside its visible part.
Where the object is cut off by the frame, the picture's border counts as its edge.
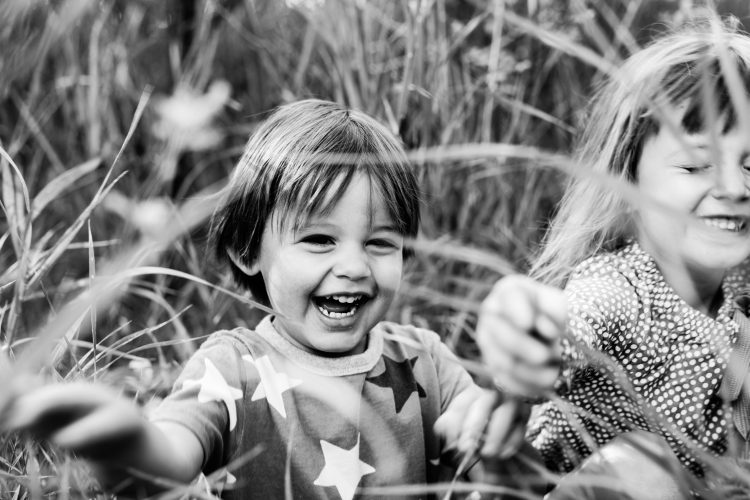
(318, 191)
(399, 196)
(392, 180)
(314, 193)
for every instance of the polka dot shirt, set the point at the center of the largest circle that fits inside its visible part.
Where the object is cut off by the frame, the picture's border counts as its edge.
(638, 357)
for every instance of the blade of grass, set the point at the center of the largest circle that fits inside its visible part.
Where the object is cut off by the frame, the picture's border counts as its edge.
(498, 15)
(60, 183)
(92, 276)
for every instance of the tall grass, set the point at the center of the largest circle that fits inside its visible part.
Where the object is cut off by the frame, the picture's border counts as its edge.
(119, 121)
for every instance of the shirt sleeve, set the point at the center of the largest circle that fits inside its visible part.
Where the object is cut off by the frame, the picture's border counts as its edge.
(204, 399)
(601, 303)
(453, 378)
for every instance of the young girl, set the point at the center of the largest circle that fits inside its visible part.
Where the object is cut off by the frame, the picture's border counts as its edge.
(322, 399)
(651, 285)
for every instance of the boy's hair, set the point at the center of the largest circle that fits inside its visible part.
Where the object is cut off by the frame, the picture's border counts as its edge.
(690, 69)
(298, 164)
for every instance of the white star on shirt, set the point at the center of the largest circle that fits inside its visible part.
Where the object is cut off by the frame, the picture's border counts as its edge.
(343, 469)
(213, 387)
(202, 484)
(272, 383)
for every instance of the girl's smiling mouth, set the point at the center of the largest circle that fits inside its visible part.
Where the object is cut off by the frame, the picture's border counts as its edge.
(339, 306)
(726, 223)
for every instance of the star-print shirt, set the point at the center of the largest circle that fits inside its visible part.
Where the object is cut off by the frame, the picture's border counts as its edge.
(669, 359)
(273, 419)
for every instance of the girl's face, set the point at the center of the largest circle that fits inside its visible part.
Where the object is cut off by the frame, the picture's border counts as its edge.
(333, 278)
(706, 180)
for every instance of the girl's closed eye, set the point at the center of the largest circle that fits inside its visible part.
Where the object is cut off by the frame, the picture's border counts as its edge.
(694, 168)
(317, 240)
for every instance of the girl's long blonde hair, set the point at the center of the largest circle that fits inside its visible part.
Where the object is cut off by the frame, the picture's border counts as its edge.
(676, 70)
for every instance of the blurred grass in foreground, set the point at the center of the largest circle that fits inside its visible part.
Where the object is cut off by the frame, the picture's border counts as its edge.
(119, 121)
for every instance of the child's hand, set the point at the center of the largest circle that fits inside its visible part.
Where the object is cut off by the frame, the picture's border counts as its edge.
(95, 422)
(85, 418)
(519, 331)
(478, 422)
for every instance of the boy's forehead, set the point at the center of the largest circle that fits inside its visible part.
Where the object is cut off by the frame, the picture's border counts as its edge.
(309, 211)
(372, 202)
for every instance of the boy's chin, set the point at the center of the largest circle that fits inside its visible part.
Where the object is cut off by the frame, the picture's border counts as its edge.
(340, 349)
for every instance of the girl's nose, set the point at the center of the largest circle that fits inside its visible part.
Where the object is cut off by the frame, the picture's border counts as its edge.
(731, 183)
(352, 263)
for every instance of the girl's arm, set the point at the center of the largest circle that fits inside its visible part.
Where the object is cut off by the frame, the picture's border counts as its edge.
(96, 423)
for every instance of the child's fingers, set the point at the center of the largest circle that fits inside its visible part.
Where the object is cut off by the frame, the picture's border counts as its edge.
(526, 299)
(475, 421)
(523, 318)
(498, 335)
(506, 357)
(17, 385)
(46, 409)
(505, 431)
(450, 423)
(98, 432)
(549, 328)
(552, 309)
(518, 332)
(529, 306)
(528, 381)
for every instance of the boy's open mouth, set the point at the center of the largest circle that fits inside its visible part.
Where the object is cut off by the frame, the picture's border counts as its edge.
(339, 306)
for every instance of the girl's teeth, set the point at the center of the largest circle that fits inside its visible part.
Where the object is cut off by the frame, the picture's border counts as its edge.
(725, 224)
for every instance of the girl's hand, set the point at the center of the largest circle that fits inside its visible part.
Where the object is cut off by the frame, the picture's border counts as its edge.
(85, 418)
(519, 329)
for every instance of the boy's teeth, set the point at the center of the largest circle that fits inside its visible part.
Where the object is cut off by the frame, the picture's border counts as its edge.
(337, 315)
(339, 306)
(346, 299)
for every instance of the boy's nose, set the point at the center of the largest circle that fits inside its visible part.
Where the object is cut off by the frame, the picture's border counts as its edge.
(731, 182)
(352, 263)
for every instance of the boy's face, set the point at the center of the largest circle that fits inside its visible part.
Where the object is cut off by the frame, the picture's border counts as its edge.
(334, 278)
(708, 181)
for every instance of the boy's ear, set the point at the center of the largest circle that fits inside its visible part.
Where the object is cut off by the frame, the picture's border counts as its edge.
(249, 270)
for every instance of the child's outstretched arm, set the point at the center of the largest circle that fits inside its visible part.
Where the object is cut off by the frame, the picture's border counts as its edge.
(519, 329)
(109, 430)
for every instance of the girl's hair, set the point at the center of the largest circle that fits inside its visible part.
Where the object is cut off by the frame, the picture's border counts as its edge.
(678, 70)
(298, 164)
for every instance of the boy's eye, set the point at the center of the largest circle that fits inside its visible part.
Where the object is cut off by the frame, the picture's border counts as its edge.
(317, 239)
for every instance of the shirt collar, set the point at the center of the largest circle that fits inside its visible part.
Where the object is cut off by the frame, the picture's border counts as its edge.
(333, 366)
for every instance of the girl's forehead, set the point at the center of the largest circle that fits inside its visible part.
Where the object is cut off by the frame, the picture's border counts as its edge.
(698, 119)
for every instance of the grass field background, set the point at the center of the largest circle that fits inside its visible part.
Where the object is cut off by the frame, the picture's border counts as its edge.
(120, 120)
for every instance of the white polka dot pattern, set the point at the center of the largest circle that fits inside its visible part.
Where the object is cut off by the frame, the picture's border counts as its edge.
(631, 330)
